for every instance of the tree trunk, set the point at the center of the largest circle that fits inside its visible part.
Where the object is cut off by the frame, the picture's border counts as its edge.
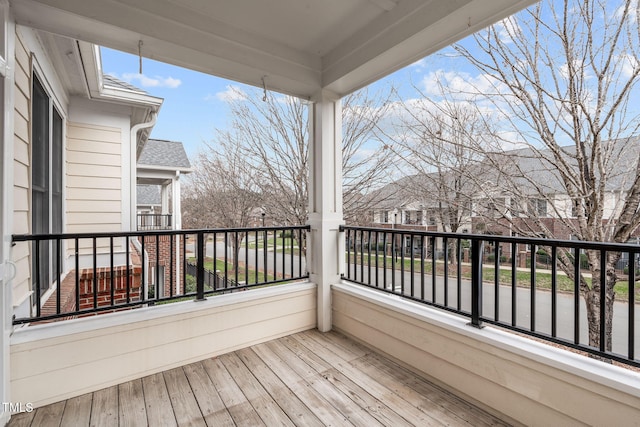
(593, 302)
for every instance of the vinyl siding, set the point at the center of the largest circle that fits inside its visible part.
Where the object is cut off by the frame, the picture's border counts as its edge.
(94, 178)
(53, 362)
(20, 252)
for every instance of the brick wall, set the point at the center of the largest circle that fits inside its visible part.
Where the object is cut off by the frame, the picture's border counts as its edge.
(165, 258)
(103, 279)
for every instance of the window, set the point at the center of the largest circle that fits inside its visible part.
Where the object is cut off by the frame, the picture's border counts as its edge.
(419, 218)
(538, 208)
(516, 206)
(386, 217)
(46, 179)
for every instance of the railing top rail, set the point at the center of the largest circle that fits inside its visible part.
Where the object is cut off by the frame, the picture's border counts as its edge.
(63, 236)
(538, 241)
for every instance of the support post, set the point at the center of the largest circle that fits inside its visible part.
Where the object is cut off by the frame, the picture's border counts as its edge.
(476, 282)
(326, 248)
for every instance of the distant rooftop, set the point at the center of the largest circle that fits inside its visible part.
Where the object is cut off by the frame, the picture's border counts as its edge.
(159, 152)
(148, 195)
(115, 82)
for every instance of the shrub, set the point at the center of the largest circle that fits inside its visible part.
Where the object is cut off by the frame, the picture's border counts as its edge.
(190, 284)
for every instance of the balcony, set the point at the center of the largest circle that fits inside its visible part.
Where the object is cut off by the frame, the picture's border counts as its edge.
(154, 222)
(450, 329)
(307, 378)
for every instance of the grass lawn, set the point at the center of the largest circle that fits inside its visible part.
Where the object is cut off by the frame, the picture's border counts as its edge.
(249, 276)
(523, 278)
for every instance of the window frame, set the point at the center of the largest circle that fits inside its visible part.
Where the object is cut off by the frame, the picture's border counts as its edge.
(48, 140)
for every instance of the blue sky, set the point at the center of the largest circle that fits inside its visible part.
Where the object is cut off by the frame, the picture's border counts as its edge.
(194, 103)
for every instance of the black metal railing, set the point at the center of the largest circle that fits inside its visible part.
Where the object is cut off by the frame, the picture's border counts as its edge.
(100, 272)
(532, 286)
(154, 222)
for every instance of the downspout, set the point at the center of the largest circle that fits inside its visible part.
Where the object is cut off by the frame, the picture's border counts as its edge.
(133, 202)
(133, 199)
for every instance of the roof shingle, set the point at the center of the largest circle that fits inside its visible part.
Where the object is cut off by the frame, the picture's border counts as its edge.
(159, 152)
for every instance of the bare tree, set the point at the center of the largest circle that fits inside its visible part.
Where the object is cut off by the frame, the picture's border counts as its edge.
(273, 134)
(440, 141)
(564, 76)
(221, 192)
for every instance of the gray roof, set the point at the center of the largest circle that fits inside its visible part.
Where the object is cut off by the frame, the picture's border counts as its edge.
(148, 195)
(523, 171)
(159, 152)
(111, 81)
(535, 171)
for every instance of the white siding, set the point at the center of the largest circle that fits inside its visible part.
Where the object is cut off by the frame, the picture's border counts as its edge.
(94, 178)
(21, 196)
(53, 362)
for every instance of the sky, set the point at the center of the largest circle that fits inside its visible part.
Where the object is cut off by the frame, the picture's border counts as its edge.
(195, 104)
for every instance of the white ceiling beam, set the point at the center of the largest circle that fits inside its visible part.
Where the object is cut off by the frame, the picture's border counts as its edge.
(229, 53)
(408, 33)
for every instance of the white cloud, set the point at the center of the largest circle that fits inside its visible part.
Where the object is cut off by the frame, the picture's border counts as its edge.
(420, 64)
(629, 64)
(507, 30)
(462, 86)
(146, 81)
(230, 94)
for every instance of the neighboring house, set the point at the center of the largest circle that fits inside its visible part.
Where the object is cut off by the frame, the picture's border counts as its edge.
(412, 203)
(519, 192)
(149, 199)
(160, 167)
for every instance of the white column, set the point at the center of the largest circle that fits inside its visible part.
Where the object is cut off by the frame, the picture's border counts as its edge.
(326, 248)
(175, 202)
(177, 225)
(6, 201)
(164, 198)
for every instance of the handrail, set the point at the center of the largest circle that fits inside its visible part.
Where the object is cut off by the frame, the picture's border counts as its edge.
(98, 272)
(503, 281)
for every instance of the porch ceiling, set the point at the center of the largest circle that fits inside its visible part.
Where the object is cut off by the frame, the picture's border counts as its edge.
(298, 46)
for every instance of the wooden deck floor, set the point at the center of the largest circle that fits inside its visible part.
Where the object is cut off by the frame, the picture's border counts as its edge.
(306, 379)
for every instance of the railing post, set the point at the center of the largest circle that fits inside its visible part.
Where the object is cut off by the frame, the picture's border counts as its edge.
(200, 267)
(476, 282)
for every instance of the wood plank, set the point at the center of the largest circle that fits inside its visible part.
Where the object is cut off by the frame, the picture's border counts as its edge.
(132, 410)
(346, 343)
(317, 363)
(369, 383)
(209, 401)
(295, 408)
(104, 410)
(239, 407)
(157, 401)
(77, 411)
(185, 406)
(354, 413)
(263, 403)
(309, 379)
(327, 413)
(377, 408)
(338, 350)
(432, 398)
(23, 419)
